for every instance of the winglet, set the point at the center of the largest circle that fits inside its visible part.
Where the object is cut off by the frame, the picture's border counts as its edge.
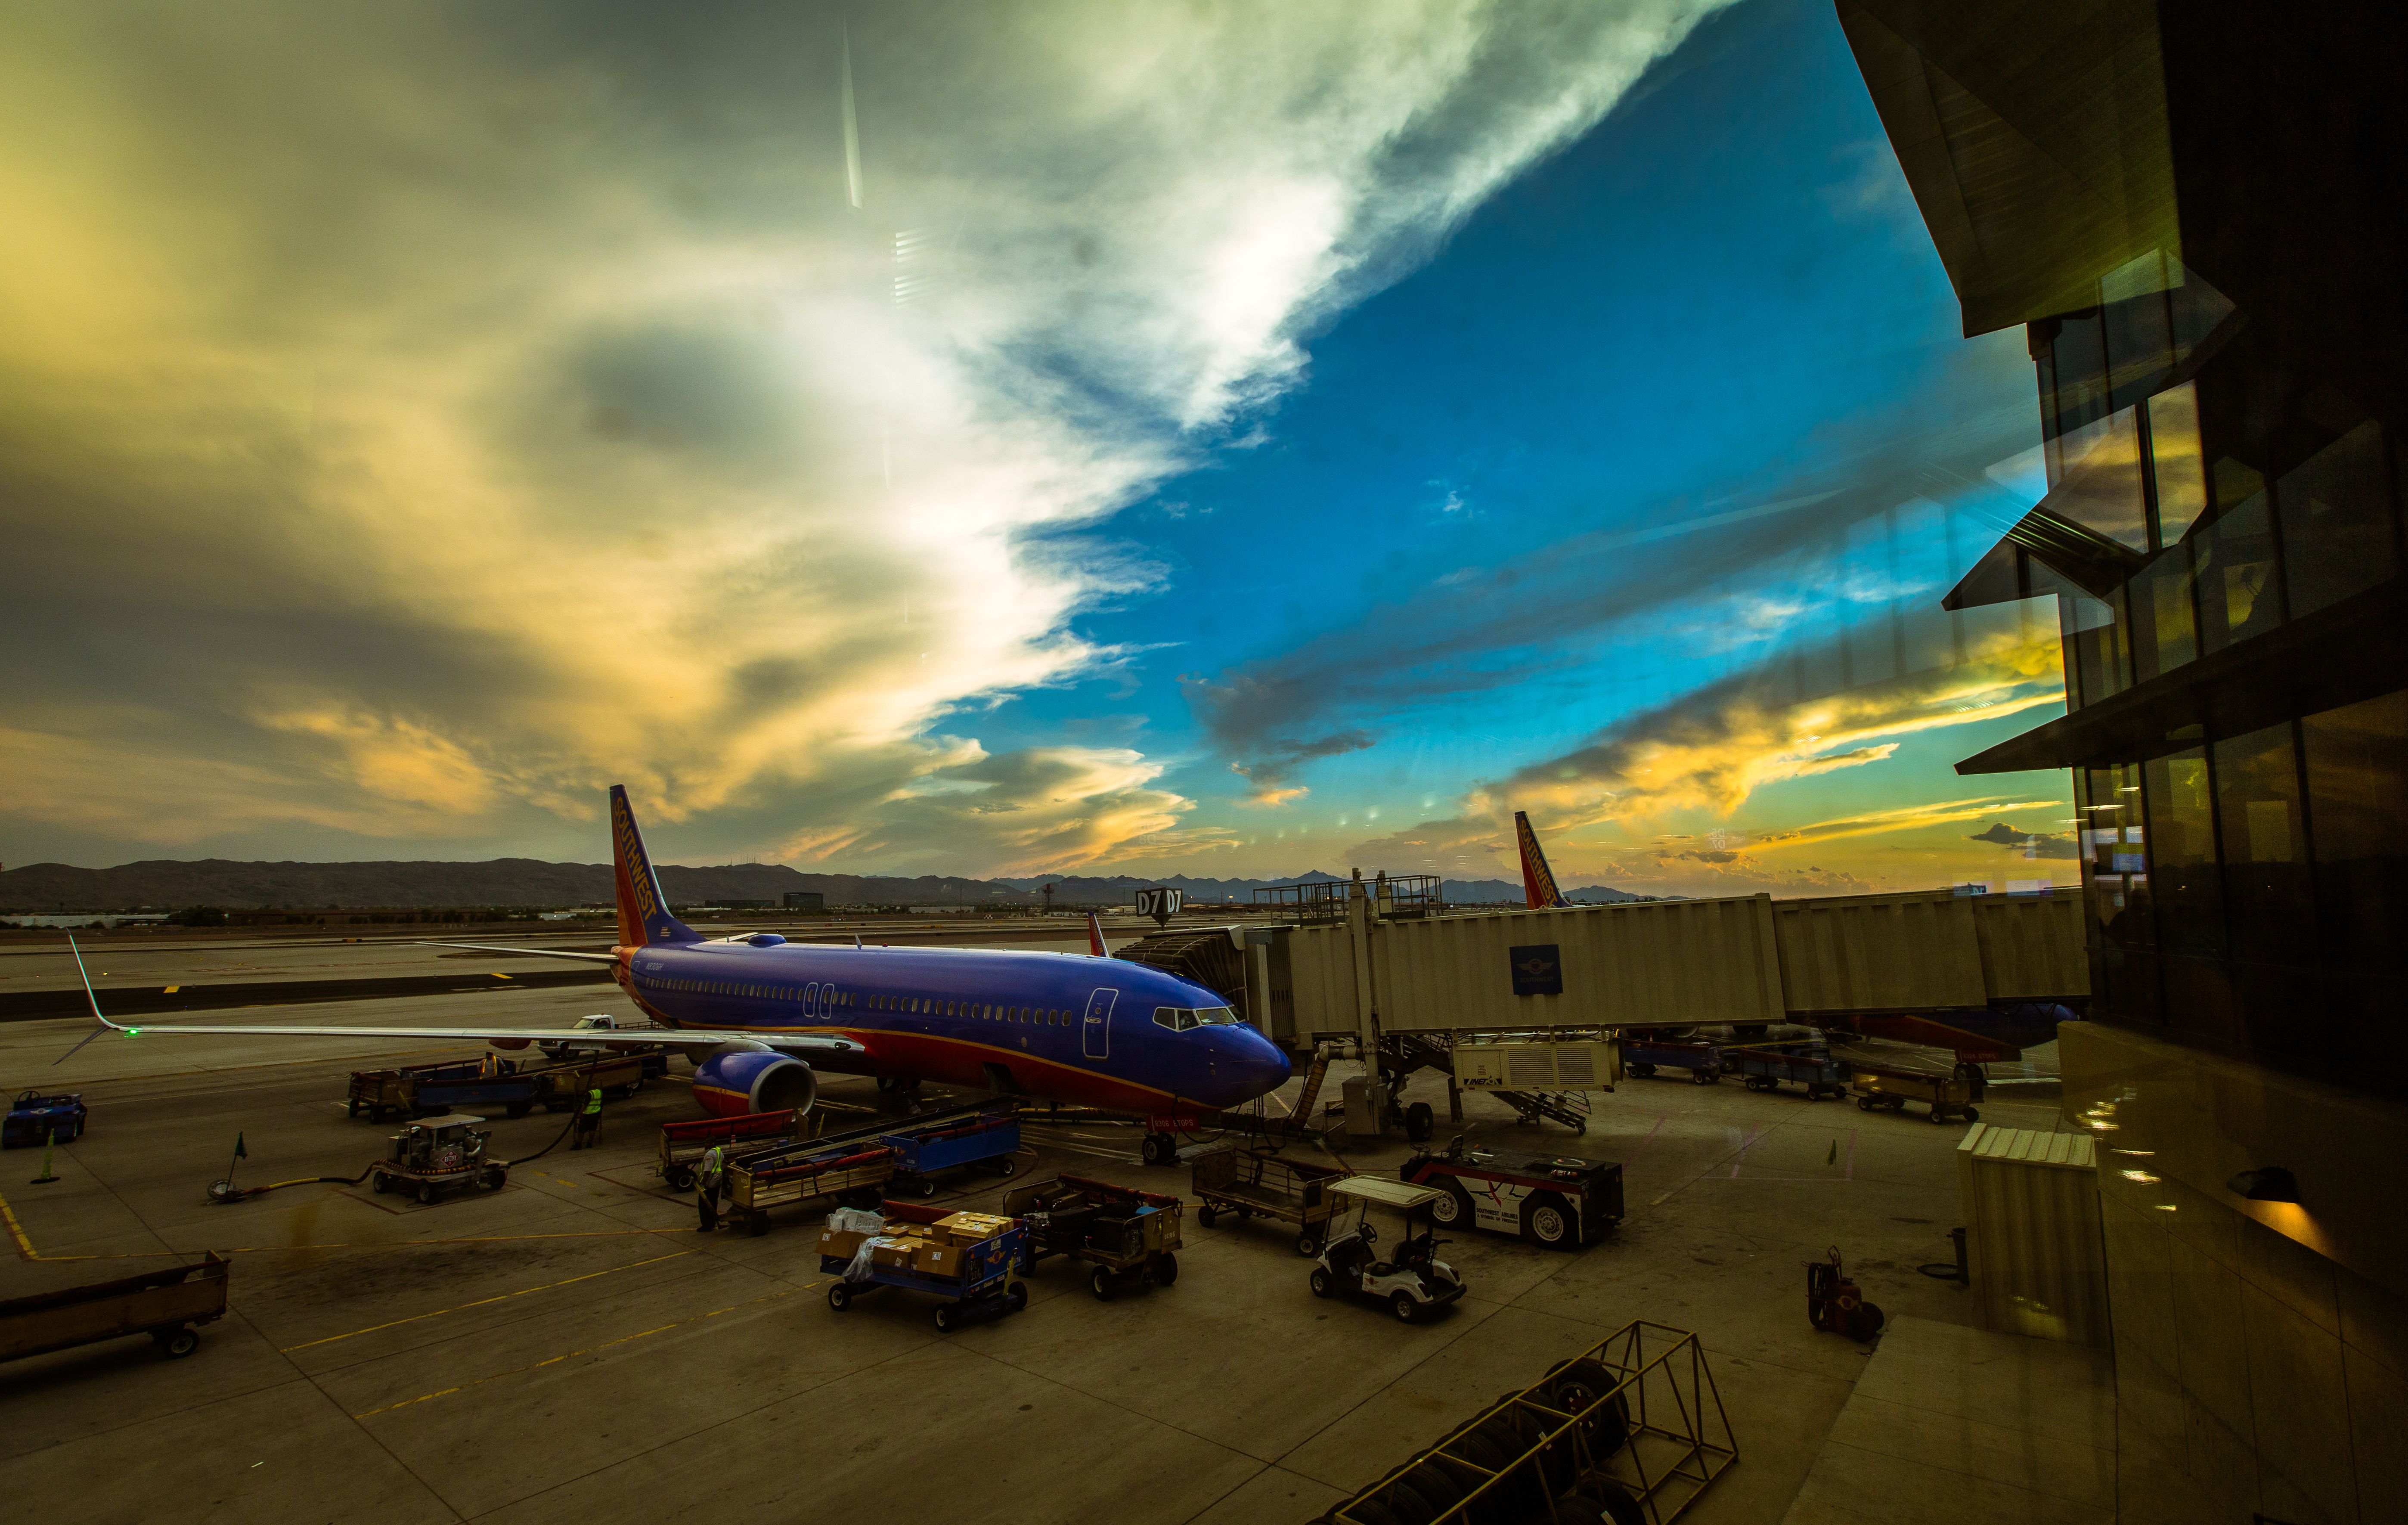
(644, 915)
(1095, 944)
(106, 1025)
(1539, 889)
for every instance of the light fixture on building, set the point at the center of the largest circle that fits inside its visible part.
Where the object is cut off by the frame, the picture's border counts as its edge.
(2266, 1184)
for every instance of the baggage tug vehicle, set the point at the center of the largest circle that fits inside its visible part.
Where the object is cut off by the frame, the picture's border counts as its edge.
(1553, 1200)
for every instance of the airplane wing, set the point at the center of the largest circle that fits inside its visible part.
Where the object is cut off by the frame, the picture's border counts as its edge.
(1095, 944)
(540, 953)
(797, 1044)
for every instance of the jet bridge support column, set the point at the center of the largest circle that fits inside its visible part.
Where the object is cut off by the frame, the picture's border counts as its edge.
(1359, 923)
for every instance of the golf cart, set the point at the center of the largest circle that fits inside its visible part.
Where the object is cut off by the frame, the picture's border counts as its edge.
(1414, 1280)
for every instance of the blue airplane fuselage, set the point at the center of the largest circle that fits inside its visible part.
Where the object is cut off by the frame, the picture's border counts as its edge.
(1057, 1026)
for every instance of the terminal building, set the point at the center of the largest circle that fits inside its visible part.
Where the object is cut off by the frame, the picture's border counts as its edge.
(2194, 214)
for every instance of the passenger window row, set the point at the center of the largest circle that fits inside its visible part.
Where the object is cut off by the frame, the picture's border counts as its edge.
(929, 1006)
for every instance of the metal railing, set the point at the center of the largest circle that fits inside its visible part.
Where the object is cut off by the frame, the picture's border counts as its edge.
(1637, 1415)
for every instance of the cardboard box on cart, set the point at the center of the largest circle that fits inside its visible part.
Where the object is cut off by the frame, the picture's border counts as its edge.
(970, 1227)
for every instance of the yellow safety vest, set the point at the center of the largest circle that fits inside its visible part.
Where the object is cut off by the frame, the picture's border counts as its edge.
(593, 1101)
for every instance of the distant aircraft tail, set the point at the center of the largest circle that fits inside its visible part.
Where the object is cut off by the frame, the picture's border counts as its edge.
(1537, 881)
(643, 916)
(1095, 944)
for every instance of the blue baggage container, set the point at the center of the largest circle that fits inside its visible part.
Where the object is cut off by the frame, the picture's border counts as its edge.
(1703, 1061)
(992, 1141)
(35, 1117)
(1811, 1065)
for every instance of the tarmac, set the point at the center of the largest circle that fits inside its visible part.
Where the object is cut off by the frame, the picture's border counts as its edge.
(570, 1348)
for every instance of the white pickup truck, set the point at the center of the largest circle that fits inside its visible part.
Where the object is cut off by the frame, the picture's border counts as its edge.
(563, 1048)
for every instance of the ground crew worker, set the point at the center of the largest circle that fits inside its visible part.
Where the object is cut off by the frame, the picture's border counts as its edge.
(705, 1188)
(588, 1122)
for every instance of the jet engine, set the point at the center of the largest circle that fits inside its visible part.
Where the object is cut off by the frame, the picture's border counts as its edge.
(734, 1081)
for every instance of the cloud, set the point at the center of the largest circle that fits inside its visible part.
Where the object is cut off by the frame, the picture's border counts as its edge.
(1710, 751)
(2034, 843)
(1547, 609)
(1712, 748)
(1269, 772)
(412, 420)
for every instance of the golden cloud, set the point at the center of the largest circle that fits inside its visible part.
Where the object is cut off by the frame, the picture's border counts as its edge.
(442, 414)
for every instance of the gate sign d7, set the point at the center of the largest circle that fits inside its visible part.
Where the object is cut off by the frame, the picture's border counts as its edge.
(1161, 904)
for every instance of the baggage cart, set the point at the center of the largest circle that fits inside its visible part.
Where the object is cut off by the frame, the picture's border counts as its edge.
(683, 1144)
(981, 1289)
(988, 1139)
(1703, 1061)
(1765, 1066)
(562, 1088)
(451, 1087)
(164, 1305)
(1949, 1097)
(759, 1181)
(1129, 1236)
(1253, 1183)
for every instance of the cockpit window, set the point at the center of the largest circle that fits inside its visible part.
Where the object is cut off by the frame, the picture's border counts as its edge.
(1183, 1019)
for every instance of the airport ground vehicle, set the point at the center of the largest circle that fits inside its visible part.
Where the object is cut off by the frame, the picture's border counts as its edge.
(1556, 1202)
(988, 1139)
(1765, 1066)
(1258, 1183)
(562, 1088)
(443, 1088)
(437, 1154)
(1703, 1061)
(496, 1085)
(35, 1118)
(164, 1305)
(1949, 1097)
(841, 1168)
(1130, 1237)
(683, 1144)
(1412, 1281)
(563, 1048)
(965, 1258)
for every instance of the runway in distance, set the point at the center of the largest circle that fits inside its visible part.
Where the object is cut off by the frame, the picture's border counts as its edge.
(761, 1016)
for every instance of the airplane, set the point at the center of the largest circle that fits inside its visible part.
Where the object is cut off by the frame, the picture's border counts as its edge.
(763, 1016)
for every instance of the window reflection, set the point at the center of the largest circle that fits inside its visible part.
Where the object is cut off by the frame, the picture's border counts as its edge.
(2237, 595)
(2101, 489)
(2175, 469)
(2338, 537)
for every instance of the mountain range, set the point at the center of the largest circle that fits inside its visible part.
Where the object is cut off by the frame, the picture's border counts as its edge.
(169, 884)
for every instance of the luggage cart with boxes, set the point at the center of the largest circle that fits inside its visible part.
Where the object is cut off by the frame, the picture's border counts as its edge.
(966, 1259)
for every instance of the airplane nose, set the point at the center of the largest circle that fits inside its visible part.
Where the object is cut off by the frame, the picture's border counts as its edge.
(1258, 1067)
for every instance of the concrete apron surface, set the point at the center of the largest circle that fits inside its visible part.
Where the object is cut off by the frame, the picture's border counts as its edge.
(570, 1348)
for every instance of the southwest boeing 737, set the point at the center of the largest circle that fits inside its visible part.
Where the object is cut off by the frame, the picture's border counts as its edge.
(761, 1016)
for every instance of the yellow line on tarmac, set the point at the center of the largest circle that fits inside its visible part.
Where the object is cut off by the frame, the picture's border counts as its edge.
(480, 1302)
(554, 1361)
(17, 1232)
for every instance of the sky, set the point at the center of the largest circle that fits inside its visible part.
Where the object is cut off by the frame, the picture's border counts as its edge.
(1224, 439)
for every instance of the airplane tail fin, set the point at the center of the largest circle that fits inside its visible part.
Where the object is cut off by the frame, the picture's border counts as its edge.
(643, 916)
(1537, 881)
(1095, 944)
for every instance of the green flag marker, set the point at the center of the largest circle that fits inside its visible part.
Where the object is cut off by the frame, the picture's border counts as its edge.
(241, 1153)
